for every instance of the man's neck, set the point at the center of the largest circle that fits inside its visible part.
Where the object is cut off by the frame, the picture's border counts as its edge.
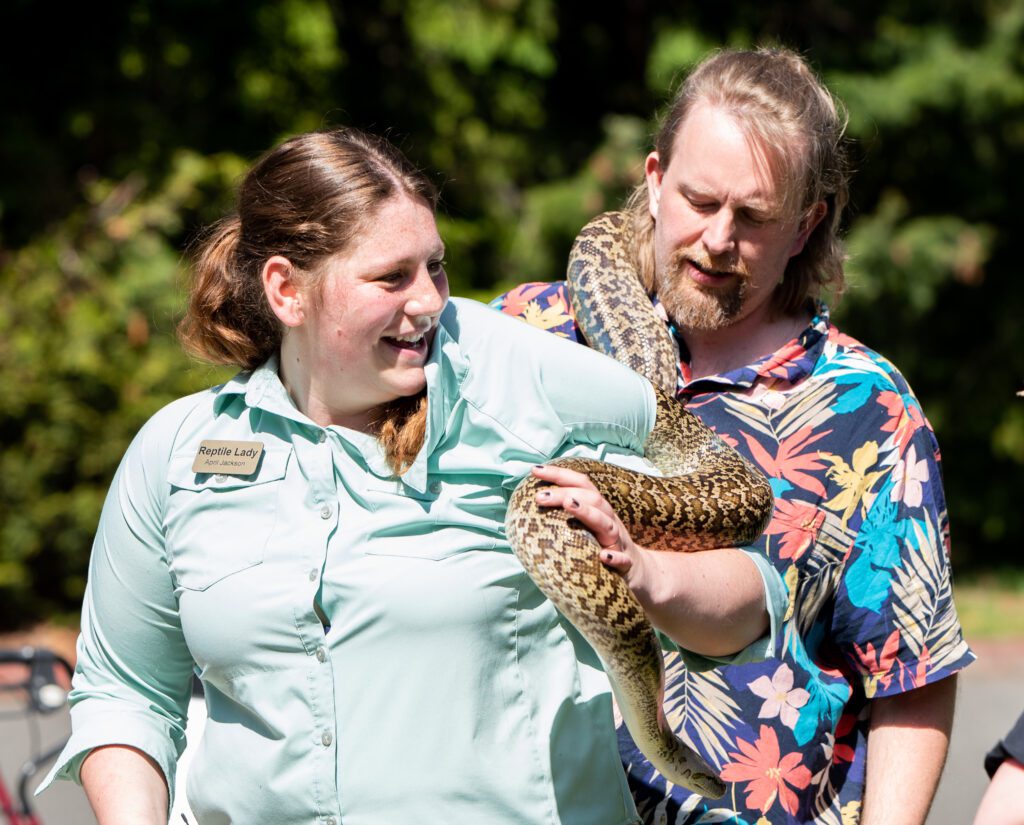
(717, 351)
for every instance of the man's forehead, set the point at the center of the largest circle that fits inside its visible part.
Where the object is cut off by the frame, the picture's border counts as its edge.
(714, 151)
(699, 141)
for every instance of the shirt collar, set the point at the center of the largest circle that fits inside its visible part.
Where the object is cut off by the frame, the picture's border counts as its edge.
(445, 371)
(792, 362)
(260, 389)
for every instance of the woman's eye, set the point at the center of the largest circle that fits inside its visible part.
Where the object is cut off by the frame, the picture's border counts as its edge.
(436, 268)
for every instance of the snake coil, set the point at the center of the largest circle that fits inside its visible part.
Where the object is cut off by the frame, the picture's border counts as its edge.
(709, 496)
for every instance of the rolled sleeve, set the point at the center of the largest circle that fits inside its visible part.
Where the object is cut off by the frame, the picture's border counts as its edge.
(132, 679)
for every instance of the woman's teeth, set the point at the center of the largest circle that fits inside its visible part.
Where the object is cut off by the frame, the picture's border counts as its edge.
(411, 341)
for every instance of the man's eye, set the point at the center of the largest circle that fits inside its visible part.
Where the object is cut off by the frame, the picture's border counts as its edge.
(702, 206)
(391, 277)
(436, 268)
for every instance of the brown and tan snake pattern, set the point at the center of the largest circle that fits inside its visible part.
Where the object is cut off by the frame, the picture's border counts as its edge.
(709, 496)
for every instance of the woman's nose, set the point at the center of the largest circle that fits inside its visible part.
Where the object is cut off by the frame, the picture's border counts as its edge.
(429, 294)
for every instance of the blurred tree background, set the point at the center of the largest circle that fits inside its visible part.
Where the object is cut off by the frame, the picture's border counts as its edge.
(128, 124)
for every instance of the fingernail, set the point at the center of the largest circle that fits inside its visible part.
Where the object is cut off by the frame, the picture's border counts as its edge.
(608, 557)
(575, 503)
(544, 494)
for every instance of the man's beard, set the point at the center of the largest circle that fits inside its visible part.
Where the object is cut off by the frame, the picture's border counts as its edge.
(696, 307)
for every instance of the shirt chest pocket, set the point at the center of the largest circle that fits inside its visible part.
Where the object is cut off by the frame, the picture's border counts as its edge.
(218, 525)
(444, 520)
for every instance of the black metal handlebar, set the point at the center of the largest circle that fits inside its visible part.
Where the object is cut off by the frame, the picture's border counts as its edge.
(45, 695)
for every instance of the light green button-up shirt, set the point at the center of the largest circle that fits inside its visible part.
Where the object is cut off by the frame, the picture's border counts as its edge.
(371, 649)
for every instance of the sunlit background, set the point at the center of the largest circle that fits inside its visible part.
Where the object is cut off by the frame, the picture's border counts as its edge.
(126, 125)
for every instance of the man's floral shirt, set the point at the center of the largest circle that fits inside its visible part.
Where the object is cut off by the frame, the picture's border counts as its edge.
(860, 536)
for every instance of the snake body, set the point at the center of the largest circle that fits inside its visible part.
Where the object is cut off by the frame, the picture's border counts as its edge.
(709, 496)
(611, 306)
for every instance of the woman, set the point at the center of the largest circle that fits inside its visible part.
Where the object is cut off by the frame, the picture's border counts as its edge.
(321, 537)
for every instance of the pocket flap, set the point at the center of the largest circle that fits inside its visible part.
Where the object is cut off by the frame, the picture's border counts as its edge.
(272, 467)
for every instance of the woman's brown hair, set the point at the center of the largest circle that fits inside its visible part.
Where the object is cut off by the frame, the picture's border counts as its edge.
(304, 200)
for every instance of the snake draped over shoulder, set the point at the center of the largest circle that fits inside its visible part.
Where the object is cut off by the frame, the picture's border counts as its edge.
(709, 496)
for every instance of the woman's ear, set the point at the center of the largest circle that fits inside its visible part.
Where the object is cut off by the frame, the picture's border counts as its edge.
(280, 283)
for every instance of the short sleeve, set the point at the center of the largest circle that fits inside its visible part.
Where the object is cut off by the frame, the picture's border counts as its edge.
(776, 600)
(1010, 746)
(542, 305)
(894, 619)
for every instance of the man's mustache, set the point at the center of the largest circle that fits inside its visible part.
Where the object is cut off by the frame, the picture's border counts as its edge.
(707, 264)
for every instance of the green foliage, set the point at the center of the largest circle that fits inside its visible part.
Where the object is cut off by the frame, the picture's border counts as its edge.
(991, 605)
(88, 352)
(533, 116)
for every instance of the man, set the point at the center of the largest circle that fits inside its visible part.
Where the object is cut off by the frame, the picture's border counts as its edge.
(735, 235)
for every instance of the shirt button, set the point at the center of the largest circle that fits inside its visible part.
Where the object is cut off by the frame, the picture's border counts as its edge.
(313, 574)
(322, 437)
(321, 655)
(220, 477)
(325, 511)
(327, 738)
(330, 821)
(435, 487)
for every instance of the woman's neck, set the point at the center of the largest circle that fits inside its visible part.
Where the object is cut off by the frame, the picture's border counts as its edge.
(309, 398)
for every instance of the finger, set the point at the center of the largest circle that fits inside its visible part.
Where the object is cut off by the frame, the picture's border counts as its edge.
(563, 476)
(576, 501)
(564, 496)
(616, 560)
(600, 521)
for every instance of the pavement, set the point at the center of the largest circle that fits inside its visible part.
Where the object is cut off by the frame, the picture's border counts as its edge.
(990, 700)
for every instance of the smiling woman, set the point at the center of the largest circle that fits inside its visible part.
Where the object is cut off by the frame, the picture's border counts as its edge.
(321, 539)
(322, 214)
(359, 339)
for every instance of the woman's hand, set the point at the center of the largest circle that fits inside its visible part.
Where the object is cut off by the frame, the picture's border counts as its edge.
(710, 602)
(576, 494)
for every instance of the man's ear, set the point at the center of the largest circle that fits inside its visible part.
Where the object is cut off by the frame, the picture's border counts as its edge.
(654, 173)
(811, 219)
(280, 283)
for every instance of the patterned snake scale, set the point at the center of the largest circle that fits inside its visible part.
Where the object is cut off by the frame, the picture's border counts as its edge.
(709, 497)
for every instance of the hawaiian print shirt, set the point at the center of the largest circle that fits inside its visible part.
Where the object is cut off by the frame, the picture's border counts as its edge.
(859, 534)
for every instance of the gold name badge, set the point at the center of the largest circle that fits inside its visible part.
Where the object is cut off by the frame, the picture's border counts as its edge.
(229, 458)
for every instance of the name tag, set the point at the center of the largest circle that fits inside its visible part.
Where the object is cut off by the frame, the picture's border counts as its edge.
(230, 458)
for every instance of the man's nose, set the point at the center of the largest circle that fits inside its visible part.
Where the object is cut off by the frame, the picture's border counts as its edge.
(719, 235)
